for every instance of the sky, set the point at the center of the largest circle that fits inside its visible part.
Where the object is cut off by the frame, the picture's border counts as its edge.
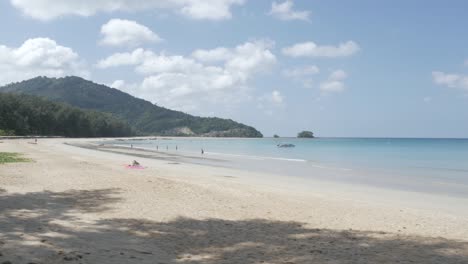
(338, 68)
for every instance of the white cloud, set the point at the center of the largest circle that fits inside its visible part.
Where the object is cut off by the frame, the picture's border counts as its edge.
(334, 83)
(311, 49)
(250, 58)
(284, 11)
(301, 71)
(192, 83)
(118, 84)
(195, 9)
(332, 86)
(207, 9)
(217, 54)
(121, 32)
(451, 80)
(190, 92)
(241, 61)
(162, 63)
(122, 59)
(38, 57)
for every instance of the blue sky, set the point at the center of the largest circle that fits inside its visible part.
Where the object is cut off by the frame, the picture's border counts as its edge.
(338, 68)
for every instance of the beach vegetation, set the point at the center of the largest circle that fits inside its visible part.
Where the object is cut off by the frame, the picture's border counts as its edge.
(8, 157)
(5, 132)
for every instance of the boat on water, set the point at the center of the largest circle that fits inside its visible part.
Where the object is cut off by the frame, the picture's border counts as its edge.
(286, 145)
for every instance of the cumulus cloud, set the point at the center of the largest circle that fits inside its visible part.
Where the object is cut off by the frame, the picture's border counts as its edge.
(195, 9)
(311, 49)
(250, 58)
(38, 56)
(148, 62)
(284, 11)
(118, 84)
(334, 83)
(121, 32)
(190, 92)
(331, 86)
(207, 9)
(125, 58)
(451, 80)
(175, 80)
(217, 54)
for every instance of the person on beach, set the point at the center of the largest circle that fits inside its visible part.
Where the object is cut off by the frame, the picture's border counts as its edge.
(135, 163)
(202, 151)
(35, 140)
(157, 147)
(176, 147)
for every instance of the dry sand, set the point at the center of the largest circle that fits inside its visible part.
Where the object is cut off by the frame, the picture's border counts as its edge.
(76, 205)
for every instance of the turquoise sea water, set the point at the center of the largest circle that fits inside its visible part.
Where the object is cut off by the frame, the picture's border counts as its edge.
(424, 165)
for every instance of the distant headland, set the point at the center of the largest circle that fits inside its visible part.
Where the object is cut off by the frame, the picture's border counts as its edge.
(124, 114)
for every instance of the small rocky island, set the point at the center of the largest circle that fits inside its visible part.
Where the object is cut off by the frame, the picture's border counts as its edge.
(305, 134)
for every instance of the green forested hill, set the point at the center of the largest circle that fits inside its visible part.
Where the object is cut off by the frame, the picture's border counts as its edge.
(144, 116)
(31, 115)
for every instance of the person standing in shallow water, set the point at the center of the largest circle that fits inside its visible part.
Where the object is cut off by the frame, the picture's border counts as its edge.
(202, 151)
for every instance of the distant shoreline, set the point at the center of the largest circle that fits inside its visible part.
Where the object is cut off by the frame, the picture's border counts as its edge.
(201, 137)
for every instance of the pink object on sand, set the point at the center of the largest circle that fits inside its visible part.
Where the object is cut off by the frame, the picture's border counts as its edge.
(136, 167)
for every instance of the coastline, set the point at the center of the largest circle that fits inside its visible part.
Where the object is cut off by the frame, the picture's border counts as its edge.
(86, 201)
(320, 178)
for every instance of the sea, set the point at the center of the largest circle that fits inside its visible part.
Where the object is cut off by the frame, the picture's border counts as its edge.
(436, 166)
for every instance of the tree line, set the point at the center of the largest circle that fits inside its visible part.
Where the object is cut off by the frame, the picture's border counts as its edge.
(29, 115)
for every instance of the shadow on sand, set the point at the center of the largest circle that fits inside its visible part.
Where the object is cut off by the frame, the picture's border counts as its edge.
(58, 227)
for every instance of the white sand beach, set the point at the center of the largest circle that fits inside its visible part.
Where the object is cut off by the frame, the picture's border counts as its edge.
(78, 205)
